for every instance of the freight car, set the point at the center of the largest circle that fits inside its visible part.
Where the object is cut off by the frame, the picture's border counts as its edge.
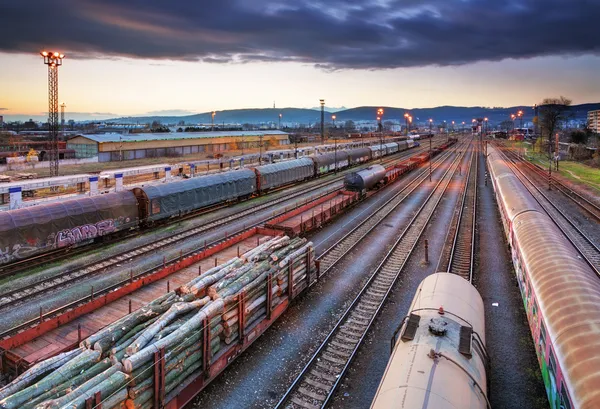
(160, 202)
(283, 173)
(328, 162)
(439, 361)
(365, 179)
(35, 230)
(560, 292)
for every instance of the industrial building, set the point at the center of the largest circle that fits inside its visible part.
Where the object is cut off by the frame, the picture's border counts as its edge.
(115, 147)
(594, 120)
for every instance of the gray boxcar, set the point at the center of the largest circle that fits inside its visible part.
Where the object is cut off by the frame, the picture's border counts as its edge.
(359, 155)
(402, 145)
(176, 198)
(327, 162)
(365, 179)
(390, 148)
(283, 173)
(38, 229)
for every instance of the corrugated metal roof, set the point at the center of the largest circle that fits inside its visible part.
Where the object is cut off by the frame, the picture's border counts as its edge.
(139, 137)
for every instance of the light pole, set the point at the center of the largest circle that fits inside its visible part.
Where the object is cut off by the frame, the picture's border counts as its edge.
(452, 126)
(486, 126)
(53, 60)
(322, 101)
(212, 127)
(462, 128)
(406, 121)
(520, 115)
(430, 124)
(472, 122)
(535, 115)
(333, 119)
(430, 158)
(260, 145)
(409, 122)
(379, 119)
(279, 121)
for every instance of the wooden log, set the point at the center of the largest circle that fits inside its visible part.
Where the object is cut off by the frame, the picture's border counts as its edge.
(74, 366)
(176, 309)
(256, 317)
(259, 302)
(171, 361)
(107, 387)
(293, 245)
(81, 389)
(37, 371)
(187, 288)
(192, 325)
(116, 400)
(171, 375)
(128, 322)
(297, 253)
(235, 286)
(128, 338)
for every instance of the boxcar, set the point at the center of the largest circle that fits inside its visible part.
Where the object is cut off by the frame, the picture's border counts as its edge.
(359, 155)
(376, 151)
(177, 198)
(39, 229)
(390, 148)
(403, 145)
(282, 173)
(327, 162)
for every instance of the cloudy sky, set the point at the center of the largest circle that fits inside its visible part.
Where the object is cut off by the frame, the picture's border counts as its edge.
(128, 57)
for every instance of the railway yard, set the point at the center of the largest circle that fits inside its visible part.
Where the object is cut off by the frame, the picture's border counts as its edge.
(443, 270)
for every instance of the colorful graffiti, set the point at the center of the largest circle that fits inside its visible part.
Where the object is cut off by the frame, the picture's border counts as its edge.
(17, 252)
(69, 237)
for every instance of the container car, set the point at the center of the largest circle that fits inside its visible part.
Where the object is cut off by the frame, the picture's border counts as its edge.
(376, 151)
(359, 155)
(439, 360)
(365, 179)
(390, 148)
(34, 230)
(283, 173)
(328, 162)
(560, 292)
(174, 199)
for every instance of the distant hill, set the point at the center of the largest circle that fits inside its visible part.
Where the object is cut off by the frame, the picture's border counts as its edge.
(310, 116)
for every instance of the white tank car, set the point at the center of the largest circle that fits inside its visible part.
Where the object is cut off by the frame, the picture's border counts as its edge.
(439, 360)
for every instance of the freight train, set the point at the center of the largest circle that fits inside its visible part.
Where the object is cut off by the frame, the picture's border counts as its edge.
(560, 291)
(32, 231)
(439, 361)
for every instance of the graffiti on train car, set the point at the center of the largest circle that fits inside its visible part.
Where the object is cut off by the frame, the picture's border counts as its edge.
(17, 252)
(68, 237)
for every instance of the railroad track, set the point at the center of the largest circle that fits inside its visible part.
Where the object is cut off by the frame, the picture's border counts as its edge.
(339, 249)
(14, 298)
(588, 206)
(457, 256)
(586, 246)
(317, 382)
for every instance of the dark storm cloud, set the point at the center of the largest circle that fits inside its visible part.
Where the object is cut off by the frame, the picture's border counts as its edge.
(333, 34)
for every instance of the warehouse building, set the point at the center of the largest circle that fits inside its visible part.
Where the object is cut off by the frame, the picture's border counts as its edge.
(115, 147)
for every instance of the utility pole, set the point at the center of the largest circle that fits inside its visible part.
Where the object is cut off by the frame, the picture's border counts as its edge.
(53, 60)
(322, 101)
(279, 121)
(430, 159)
(260, 146)
(335, 144)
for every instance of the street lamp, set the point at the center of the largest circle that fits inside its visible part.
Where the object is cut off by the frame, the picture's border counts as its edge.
(280, 115)
(512, 117)
(212, 126)
(406, 121)
(462, 128)
(520, 115)
(452, 126)
(486, 125)
(53, 60)
(430, 124)
(335, 145)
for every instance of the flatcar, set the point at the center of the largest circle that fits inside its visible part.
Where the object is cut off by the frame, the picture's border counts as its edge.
(439, 360)
(365, 179)
(560, 292)
(31, 231)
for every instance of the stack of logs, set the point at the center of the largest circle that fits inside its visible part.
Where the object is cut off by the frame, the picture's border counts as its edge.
(173, 339)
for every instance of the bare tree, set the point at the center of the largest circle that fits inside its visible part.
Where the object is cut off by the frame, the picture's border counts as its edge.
(552, 112)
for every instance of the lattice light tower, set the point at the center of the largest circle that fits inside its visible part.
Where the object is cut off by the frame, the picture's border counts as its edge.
(53, 60)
